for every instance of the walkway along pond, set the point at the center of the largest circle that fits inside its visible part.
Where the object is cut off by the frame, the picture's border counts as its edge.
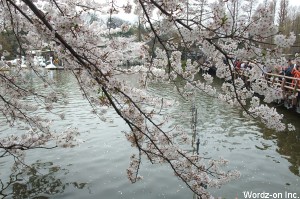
(290, 88)
(96, 168)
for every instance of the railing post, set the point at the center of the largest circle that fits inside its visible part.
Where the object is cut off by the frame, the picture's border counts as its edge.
(294, 98)
(296, 86)
(273, 81)
(283, 84)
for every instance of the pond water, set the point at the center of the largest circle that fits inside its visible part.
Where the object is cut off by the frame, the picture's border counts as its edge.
(96, 168)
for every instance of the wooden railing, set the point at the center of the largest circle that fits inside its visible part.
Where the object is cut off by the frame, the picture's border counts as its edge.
(290, 87)
(286, 82)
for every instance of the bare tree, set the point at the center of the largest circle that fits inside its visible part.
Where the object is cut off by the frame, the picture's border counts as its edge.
(293, 25)
(249, 7)
(273, 7)
(283, 14)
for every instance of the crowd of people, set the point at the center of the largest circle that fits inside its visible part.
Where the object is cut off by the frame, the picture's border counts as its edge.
(289, 73)
(292, 69)
(238, 64)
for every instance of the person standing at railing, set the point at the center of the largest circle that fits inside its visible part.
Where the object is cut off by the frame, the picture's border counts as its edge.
(266, 68)
(289, 69)
(237, 64)
(296, 83)
(296, 74)
(288, 72)
(278, 70)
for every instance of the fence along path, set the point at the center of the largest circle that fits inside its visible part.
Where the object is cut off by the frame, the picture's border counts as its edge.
(290, 87)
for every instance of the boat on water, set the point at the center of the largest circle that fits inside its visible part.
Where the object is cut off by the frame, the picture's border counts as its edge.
(39, 61)
(3, 65)
(23, 62)
(14, 62)
(52, 66)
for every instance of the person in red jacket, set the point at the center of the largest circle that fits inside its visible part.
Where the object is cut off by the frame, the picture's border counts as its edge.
(296, 74)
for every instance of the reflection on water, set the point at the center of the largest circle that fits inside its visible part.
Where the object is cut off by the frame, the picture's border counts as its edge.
(289, 147)
(268, 161)
(37, 181)
(288, 143)
(259, 153)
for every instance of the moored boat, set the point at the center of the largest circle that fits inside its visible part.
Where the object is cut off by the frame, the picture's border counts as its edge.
(51, 66)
